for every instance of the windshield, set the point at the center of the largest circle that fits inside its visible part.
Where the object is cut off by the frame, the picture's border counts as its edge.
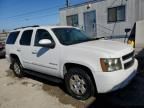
(69, 36)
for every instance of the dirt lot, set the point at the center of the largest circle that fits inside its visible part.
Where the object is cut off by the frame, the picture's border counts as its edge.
(31, 92)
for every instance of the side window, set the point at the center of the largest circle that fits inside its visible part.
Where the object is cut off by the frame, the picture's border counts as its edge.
(26, 37)
(42, 34)
(12, 37)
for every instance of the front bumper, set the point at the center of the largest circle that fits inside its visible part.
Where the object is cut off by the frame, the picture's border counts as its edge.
(111, 81)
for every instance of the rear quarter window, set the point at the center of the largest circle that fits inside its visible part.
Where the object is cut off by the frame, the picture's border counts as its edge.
(12, 37)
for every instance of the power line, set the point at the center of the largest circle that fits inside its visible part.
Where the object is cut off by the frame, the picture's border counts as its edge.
(32, 12)
(24, 16)
(33, 18)
(29, 16)
(36, 18)
(43, 16)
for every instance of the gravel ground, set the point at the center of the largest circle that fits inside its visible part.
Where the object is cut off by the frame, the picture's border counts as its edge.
(31, 92)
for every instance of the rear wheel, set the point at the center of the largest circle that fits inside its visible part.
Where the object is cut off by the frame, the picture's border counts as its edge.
(17, 68)
(79, 84)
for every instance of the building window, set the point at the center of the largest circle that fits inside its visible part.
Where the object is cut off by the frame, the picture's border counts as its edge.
(116, 14)
(72, 20)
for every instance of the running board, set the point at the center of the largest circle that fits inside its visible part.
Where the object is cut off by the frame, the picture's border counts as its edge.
(43, 76)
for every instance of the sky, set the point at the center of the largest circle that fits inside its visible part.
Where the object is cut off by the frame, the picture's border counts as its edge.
(18, 13)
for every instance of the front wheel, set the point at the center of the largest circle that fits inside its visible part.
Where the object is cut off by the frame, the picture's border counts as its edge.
(79, 84)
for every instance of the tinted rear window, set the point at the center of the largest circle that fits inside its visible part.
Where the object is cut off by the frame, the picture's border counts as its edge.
(26, 37)
(12, 37)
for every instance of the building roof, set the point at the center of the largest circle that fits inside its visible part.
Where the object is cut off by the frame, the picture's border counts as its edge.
(81, 4)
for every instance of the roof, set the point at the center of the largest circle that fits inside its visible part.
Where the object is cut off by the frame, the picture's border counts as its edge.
(31, 27)
(81, 4)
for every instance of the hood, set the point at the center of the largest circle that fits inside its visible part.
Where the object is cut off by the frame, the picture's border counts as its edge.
(105, 46)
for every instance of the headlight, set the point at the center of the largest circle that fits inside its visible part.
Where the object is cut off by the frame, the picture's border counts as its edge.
(110, 64)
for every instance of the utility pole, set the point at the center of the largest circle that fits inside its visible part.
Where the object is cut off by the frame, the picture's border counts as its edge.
(67, 3)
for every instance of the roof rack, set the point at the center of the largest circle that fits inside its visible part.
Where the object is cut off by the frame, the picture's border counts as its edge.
(26, 27)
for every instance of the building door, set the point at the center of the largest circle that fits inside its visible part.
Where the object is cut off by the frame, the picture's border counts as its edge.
(90, 23)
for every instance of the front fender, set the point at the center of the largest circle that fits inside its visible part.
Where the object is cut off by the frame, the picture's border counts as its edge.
(86, 64)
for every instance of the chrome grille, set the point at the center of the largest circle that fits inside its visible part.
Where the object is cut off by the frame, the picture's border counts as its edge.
(130, 55)
(129, 63)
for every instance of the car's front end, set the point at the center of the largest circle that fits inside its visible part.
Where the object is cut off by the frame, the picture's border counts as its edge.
(116, 72)
(112, 63)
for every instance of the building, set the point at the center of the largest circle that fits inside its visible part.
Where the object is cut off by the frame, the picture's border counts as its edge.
(103, 17)
(3, 37)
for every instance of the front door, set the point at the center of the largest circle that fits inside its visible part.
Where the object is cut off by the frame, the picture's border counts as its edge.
(90, 23)
(45, 60)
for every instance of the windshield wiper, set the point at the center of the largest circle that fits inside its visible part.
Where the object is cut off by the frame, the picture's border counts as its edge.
(81, 41)
(97, 38)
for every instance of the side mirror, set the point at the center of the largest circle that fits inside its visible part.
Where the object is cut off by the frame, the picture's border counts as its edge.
(46, 43)
(127, 30)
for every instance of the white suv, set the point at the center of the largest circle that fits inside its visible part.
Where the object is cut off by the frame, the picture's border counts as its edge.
(87, 65)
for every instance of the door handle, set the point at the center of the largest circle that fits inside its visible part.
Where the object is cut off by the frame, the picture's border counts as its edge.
(34, 52)
(18, 50)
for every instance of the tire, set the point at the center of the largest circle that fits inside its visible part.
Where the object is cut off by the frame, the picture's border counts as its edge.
(17, 68)
(79, 84)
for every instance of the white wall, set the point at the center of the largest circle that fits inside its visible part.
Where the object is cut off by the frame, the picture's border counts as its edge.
(134, 11)
(140, 9)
